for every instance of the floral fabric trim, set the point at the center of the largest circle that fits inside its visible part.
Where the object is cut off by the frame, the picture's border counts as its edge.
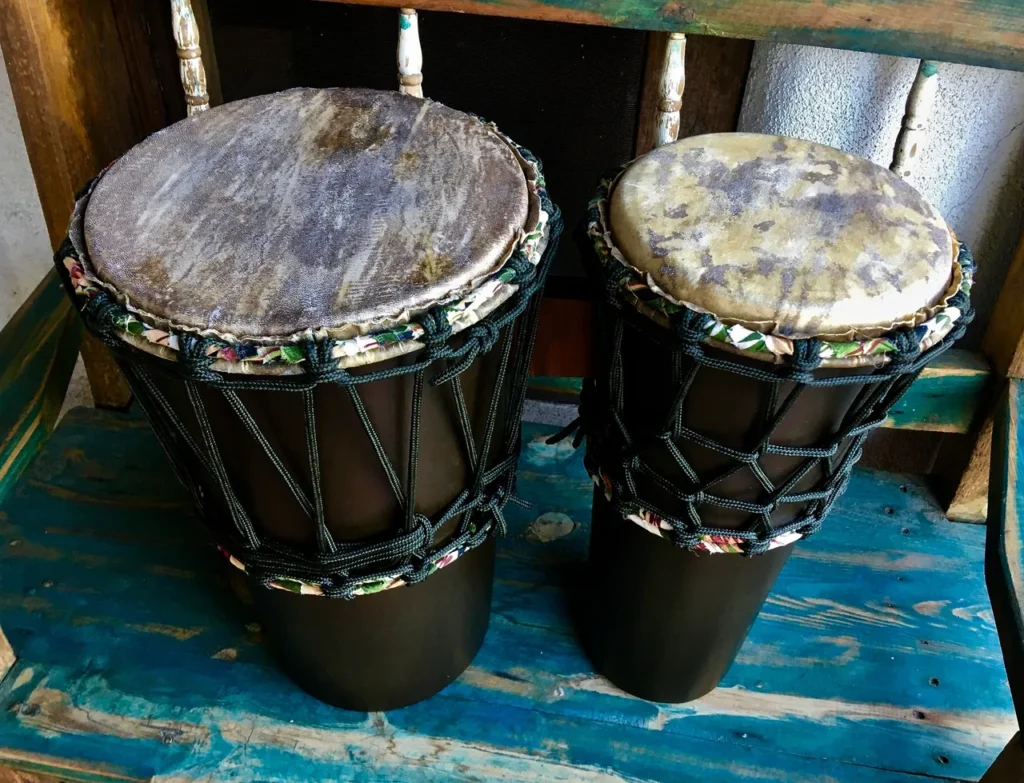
(643, 293)
(370, 586)
(461, 310)
(712, 544)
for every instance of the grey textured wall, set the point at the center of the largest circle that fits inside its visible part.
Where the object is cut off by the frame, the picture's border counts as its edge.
(972, 168)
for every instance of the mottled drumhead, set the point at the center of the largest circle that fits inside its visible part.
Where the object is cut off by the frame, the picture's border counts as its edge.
(309, 209)
(781, 235)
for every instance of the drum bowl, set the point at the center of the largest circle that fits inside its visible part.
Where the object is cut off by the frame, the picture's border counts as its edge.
(382, 650)
(665, 623)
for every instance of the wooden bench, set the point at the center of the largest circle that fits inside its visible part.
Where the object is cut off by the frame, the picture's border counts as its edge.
(877, 656)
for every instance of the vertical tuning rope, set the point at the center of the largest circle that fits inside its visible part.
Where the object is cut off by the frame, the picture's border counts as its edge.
(193, 74)
(410, 55)
(914, 133)
(324, 540)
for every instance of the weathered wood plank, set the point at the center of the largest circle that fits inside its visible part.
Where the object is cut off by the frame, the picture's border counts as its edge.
(716, 71)
(970, 500)
(944, 398)
(1004, 346)
(1004, 548)
(84, 96)
(1004, 336)
(946, 395)
(1009, 766)
(234, 726)
(876, 638)
(989, 32)
(38, 348)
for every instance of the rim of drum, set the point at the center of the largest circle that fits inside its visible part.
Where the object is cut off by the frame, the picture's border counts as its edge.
(641, 293)
(463, 308)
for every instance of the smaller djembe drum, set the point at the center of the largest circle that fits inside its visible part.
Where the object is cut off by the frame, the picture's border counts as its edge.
(325, 301)
(765, 301)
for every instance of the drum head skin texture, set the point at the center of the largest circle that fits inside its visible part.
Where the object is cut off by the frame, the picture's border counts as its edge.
(781, 235)
(332, 209)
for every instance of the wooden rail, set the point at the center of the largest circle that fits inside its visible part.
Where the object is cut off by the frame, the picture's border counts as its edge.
(982, 32)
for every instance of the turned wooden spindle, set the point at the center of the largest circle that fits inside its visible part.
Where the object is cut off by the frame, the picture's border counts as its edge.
(914, 133)
(670, 90)
(410, 55)
(193, 75)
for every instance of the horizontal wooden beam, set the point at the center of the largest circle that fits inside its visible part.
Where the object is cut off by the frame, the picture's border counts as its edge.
(943, 399)
(982, 32)
(945, 396)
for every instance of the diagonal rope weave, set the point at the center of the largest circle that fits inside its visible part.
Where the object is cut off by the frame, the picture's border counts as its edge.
(619, 458)
(346, 569)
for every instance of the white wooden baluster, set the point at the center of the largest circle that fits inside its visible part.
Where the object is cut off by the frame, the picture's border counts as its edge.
(914, 133)
(193, 75)
(670, 90)
(410, 55)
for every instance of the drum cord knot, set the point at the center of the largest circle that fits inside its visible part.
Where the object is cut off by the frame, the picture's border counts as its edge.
(197, 356)
(321, 367)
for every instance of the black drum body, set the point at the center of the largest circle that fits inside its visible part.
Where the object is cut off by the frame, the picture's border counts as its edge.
(710, 465)
(356, 476)
(378, 650)
(328, 318)
(664, 622)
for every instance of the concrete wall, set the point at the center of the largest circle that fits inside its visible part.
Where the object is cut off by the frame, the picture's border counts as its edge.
(25, 254)
(972, 169)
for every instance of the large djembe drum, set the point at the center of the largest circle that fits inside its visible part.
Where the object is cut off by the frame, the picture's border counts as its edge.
(325, 301)
(765, 301)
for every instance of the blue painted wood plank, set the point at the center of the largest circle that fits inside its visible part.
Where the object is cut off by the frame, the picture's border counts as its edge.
(946, 395)
(136, 659)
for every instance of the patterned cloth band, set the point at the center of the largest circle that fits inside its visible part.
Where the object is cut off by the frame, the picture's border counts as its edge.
(624, 459)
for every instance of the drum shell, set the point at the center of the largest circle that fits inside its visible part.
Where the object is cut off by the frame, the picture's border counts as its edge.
(665, 623)
(383, 650)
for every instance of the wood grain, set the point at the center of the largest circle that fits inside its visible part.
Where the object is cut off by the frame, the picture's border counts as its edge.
(945, 397)
(81, 103)
(970, 500)
(716, 71)
(1004, 544)
(671, 84)
(1004, 346)
(11, 775)
(38, 348)
(1004, 335)
(190, 55)
(875, 658)
(988, 32)
(913, 135)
